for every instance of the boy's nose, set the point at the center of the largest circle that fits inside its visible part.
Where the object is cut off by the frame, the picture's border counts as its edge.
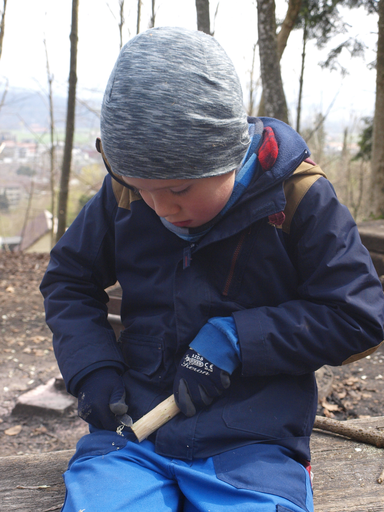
(165, 208)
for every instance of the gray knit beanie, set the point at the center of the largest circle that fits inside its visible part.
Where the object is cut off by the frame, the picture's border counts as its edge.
(173, 108)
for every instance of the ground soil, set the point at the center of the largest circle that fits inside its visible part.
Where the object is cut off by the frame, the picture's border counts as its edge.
(27, 360)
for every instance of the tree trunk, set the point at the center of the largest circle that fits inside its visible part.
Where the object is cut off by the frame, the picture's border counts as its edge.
(275, 104)
(252, 86)
(203, 21)
(2, 26)
(122, 21)
(293, 10)
(52, 140)
(301, 81)
(138, 16)
(377, 161)
(28, 210)
(70, 125)
(153, 15)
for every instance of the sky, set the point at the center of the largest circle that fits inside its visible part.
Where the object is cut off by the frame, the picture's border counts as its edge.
(30, 22)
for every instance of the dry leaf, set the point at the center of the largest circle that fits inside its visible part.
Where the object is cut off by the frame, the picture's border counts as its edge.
(329, 407)
(38, 431)
(13, 431)
(38, 339)
(351, 381)
(38, 352)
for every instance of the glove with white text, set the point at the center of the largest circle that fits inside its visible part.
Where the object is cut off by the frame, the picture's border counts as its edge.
(198, 382)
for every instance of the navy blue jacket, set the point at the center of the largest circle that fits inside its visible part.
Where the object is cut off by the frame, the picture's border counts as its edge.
(301, 297)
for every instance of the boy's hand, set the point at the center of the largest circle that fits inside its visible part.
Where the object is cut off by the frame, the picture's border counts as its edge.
(198, 382)
(101, 399)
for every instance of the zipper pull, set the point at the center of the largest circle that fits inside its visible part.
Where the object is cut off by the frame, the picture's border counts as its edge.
(187, 256)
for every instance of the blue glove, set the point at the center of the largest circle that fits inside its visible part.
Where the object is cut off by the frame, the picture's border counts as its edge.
(101, 399)
(198, 382)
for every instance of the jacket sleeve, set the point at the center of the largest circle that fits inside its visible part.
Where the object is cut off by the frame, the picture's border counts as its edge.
(80, 268)
(339, 313)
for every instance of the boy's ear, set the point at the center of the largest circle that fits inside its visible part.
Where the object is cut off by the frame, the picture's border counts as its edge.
(99, 148)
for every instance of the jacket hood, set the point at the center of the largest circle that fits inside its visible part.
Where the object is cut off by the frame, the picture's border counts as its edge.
(265, 194)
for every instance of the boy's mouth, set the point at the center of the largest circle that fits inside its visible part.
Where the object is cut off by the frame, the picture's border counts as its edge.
(183, 224)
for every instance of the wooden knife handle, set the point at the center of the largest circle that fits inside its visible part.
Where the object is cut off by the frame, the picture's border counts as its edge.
(154, 419)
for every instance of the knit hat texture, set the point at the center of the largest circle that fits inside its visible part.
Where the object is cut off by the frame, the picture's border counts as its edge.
(173, 108)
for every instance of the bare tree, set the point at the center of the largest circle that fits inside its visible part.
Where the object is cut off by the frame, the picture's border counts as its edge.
(301, 79)
(287, 25)
(153, 15)
(282, 37)
(275, 104)
(52, 142)
(203, 21)
(2, 101)
(138, 16)
(70, 125)
(252, 85)
(2, 26)
(121, 22)
(377, 162)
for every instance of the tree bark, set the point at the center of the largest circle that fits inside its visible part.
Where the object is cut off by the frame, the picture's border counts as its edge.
(70, 125)
(2, 26)
(377, 161)
(275, 104)
(203, 21)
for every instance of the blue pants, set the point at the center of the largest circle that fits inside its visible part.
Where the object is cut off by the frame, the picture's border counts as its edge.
(112, 474)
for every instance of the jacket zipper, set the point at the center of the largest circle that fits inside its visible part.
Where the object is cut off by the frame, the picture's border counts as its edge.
(187, 255)
(233, 262)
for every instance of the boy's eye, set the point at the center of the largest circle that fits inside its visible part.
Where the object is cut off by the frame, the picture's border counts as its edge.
(181, 192)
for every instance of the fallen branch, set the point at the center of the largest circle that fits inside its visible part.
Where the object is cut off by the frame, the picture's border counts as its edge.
(33, 487)
(363, 435)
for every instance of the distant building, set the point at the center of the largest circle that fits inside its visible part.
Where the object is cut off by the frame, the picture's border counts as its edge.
(36, 237)
(37, 234)
(9, 243)
(13, 192)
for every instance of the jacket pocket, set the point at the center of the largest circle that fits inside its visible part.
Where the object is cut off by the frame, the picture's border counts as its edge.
(141, 353)
(267, 469)
(273, 407)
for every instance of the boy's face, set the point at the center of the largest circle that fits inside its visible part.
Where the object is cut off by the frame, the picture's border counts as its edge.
(188, 203)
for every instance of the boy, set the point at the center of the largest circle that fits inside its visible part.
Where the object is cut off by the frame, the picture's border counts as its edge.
(241, 273)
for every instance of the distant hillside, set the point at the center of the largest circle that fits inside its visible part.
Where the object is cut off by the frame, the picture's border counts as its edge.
(25, 109)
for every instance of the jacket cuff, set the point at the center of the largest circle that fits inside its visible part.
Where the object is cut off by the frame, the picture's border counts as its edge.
(218, 342)
(73, 384)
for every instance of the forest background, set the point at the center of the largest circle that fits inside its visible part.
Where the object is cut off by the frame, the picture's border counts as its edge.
(337, 86)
